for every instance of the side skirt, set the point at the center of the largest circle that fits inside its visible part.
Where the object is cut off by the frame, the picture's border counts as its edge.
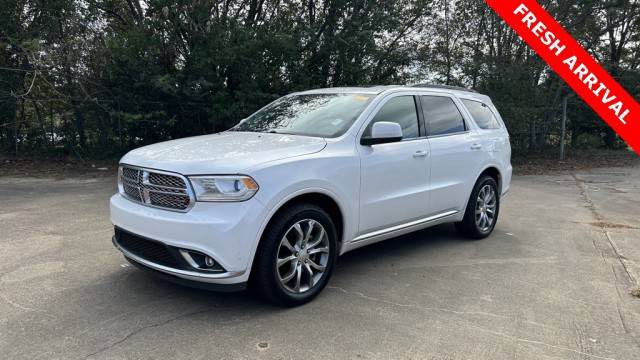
(397, 230)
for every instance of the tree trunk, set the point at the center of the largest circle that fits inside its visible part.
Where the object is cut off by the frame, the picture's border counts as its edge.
(10, 112)
(40, 120)
(532, 135)
(79, 121)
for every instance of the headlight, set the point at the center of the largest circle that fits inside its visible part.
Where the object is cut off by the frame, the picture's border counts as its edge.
(223, 188)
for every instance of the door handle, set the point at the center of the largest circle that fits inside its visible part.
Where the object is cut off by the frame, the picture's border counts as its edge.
(476, 146)
(420, 153)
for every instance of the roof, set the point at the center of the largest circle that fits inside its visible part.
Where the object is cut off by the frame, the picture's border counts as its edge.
(377, 89)
(448, 87)
(374, 90)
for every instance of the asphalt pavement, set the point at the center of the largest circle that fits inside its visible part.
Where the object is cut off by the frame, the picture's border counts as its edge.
(552, 282)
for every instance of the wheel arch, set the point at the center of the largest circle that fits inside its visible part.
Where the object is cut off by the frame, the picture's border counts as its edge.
(315, 197)
(493, 172)
(326, 199)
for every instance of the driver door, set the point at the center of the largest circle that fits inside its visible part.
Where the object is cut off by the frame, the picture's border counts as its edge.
(394, 177)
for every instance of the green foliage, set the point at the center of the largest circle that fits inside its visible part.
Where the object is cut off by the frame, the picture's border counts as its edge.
(98, 77)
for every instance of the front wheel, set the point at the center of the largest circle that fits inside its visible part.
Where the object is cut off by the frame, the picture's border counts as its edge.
(296, 256)
(482, 210)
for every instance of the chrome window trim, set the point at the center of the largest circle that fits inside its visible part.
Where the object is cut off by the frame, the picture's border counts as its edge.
(448, 134)
(401, 141)
(145, 180)
(412, 139)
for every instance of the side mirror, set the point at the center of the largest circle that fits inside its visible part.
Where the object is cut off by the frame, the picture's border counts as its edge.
(383, 132)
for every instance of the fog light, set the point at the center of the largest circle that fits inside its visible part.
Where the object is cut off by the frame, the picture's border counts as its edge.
(200, 261)
(209, 261)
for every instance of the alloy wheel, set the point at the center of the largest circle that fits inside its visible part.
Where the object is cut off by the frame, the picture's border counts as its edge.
(302, 256)
(485, 208)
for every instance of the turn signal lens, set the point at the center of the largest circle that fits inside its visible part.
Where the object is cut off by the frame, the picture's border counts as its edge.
(250, 184)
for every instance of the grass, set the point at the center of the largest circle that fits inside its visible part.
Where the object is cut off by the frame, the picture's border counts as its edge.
(636, 292)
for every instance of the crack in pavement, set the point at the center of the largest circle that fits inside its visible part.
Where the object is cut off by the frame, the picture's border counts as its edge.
(446, 310)
(495, 333)
(4, 297)
(14, 304)
(602, 225)
(537, 342)
(621, 259)
(137, 331)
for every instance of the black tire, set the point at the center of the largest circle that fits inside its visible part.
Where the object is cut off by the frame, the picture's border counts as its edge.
(265, 278)
(469, 227)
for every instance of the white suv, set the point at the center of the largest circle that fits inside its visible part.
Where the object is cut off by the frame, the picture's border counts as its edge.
(275, 200)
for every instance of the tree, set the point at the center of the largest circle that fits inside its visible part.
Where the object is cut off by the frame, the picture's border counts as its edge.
(98, 77)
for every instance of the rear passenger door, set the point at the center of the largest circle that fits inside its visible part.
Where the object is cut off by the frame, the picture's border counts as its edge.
(456, 153)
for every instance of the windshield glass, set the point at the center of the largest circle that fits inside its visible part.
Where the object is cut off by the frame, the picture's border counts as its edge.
(319, 115)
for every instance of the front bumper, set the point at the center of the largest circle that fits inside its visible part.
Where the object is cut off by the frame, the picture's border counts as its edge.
(191, 283)
(227, 232)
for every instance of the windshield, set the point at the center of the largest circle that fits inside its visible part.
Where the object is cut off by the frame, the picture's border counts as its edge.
(319, 115)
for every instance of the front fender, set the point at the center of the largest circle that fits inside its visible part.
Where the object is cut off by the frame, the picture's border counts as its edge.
(337, 178)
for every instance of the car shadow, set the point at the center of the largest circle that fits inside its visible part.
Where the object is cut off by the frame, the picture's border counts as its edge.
(412, 244)
(146, 299)
(378, 254)
(124, 299)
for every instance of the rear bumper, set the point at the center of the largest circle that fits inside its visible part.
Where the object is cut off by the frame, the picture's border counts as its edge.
(506, 180)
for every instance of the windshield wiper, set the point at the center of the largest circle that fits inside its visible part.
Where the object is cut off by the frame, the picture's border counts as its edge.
(279, 132)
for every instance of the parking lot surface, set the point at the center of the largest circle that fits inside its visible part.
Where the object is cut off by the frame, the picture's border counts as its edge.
(552, 282)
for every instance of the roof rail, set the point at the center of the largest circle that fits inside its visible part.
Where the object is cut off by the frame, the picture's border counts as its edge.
(449, 87)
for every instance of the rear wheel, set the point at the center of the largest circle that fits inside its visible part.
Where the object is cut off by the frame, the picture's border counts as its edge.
(482, 210)
(296, 256)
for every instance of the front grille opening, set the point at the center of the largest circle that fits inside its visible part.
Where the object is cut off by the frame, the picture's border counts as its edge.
(169, 200)
(162, 254)
(166, 180)
(130, 174)
(155, 189)
(150, 250)
(131, 191)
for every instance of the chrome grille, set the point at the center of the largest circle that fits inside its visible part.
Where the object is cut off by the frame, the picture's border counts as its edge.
(168, 200)
(155, 188)
(166, 181)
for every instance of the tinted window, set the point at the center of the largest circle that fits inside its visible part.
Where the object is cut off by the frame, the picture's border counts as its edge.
(481, 114)
(401, 110)
(321, 115)
(441, 115)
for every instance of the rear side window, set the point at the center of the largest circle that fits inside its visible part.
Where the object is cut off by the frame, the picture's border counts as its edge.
(482, 115)
(401, 110)
(441, 115)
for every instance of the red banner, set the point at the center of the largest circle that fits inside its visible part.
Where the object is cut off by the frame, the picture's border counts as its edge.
(574, 65)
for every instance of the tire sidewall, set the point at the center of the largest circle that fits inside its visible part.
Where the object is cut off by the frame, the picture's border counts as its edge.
(276, 234)
(486, 180)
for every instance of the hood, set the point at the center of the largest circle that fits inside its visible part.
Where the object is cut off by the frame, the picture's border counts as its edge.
(228, 152)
